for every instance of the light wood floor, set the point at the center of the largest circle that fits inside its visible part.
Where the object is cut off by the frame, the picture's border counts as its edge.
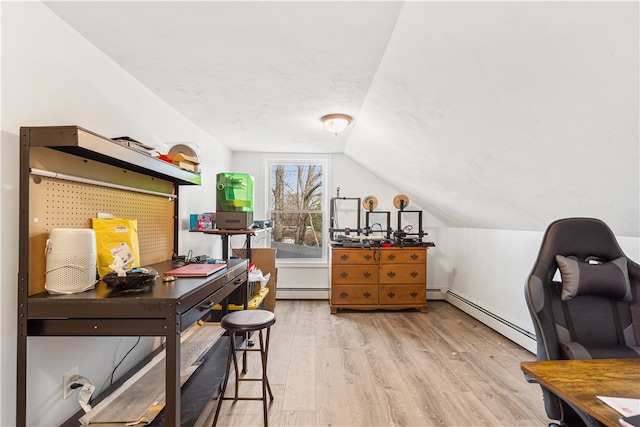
(440, 368)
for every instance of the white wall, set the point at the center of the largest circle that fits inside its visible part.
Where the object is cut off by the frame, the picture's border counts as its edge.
(491, 266)
(52, 76)
(312, 281)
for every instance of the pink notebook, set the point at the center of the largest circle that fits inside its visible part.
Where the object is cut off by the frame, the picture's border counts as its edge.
(195, 270)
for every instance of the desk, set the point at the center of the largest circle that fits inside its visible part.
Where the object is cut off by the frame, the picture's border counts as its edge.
(168, 310)
(579, 382)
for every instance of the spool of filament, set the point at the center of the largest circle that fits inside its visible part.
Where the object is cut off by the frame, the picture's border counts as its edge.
(370, 203)
(401, 201)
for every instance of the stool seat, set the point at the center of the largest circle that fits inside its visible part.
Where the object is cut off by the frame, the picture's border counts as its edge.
(248, 320)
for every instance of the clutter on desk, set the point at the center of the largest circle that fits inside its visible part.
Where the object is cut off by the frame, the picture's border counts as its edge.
(137, 280)
(116, 239)
(202, 221)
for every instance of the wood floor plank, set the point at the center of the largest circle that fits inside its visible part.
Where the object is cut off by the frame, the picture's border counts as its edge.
(355, 369)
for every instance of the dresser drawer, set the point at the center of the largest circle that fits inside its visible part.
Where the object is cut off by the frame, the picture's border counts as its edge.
(354, 256)
(416, 255)
(403, 273)
(403, 294)
(347, 274)
(354, 294)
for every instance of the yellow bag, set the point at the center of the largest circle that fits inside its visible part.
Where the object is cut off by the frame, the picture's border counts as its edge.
(119, 237)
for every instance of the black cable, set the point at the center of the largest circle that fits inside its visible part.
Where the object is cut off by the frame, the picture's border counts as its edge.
(110, 378)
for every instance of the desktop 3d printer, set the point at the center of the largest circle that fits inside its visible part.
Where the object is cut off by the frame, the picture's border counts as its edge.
(234, 201)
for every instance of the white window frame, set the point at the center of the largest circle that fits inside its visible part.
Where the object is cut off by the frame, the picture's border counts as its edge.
(293, 159)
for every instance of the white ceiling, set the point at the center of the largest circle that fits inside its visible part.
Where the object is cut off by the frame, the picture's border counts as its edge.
(499, 115)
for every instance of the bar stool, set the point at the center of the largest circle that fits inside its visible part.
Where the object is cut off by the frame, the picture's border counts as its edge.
(240, 323)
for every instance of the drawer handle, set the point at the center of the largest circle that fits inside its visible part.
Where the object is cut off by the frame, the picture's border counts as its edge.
(206, 306)
(238, 281)
(366, 274)
(414, 294)
(366, 294)
(414, 256)
(344, 294)
(391, 274)
(414, 274)
(367, 257)
(391, 294)
(344, 274)
(391, 256)
(344, 257)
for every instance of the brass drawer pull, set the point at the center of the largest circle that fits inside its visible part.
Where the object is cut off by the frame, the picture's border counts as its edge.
(367, 257)
(414, 256)
(344, 274)
(366, 274)
(391, 274)
(391, 256)
(344, 257)
(391, 294)
(414, 294)
(366, 294)
(344, 294)
(414, 273)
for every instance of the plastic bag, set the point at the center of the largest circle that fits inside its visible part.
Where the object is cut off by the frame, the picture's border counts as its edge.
(256, 276)
(116, 237)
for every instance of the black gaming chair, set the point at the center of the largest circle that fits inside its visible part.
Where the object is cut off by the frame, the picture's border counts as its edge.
(588, 309)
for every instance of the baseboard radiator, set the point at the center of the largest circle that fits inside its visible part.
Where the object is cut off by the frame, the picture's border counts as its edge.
(302, 293)
(505, 328)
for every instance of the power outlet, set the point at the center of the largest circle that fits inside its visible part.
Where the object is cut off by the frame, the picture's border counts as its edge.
(66, 382)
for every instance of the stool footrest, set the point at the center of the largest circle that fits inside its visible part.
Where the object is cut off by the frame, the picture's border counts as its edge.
(244, 398)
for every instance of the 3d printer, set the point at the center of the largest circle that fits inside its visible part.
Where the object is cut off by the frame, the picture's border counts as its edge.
(234, 200)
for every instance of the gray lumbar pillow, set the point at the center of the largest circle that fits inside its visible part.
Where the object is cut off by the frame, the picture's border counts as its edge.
(608, 279)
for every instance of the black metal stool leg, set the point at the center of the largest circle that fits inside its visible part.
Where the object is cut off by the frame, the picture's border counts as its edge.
(235, 364)
(265, 353)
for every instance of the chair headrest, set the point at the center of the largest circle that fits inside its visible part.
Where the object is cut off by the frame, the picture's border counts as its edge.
(606, 279)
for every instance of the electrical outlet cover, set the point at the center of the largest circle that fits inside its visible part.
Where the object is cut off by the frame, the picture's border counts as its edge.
(66, 382)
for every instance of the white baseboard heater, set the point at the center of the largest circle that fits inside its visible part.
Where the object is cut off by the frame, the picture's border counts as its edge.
(504, 327)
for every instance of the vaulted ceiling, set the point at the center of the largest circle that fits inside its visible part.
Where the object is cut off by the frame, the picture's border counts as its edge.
(499, 115)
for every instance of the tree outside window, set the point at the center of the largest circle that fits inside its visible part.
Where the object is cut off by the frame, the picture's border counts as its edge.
(297, 210)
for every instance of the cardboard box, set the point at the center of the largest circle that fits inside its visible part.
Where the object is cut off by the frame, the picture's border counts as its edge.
(185, 162)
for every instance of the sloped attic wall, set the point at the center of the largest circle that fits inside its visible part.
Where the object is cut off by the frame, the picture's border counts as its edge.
(508, 115)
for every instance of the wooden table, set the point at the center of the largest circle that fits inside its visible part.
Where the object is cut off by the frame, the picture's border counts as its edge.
(580, 381)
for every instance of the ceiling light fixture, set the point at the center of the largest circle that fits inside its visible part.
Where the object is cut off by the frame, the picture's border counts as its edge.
(336, 123)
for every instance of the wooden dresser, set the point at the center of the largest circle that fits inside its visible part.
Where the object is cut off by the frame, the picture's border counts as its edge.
(378, 278)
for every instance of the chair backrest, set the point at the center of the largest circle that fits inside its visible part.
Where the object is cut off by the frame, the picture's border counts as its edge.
(596, 312)
(591, 319)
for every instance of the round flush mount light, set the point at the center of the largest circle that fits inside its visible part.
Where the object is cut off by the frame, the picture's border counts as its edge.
(336, 123)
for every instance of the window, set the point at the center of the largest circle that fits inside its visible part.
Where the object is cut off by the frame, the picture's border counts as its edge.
(296, 207)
